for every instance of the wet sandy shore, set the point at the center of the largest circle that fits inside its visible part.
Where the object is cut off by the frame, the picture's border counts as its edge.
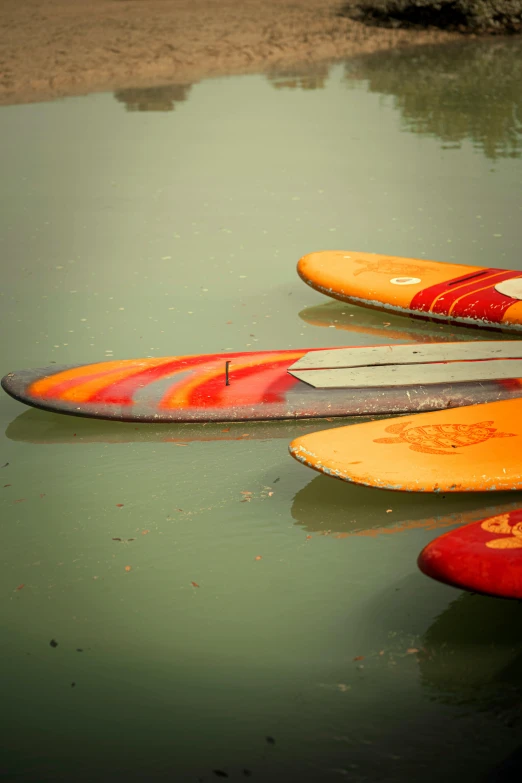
(54, 48)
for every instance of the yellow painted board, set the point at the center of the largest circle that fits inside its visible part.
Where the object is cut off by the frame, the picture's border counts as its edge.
(469, 449)
(486, 296)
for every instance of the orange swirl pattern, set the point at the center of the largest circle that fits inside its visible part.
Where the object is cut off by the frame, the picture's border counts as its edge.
(196, 381)
(194, 388)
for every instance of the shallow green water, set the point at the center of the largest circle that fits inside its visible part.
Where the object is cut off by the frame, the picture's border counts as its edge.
(136, 233)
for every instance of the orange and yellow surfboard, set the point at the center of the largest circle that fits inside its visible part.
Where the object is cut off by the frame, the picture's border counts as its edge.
(472, 449)
(481, 296)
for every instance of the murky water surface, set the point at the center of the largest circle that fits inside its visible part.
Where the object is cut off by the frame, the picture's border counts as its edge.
(187, 603)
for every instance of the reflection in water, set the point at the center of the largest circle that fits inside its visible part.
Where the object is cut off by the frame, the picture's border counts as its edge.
(387, 326)
(341, 510)
(508, 771)
(307, 77)
(153, 98)
(38, 426)
(454, 91)
(472, 655)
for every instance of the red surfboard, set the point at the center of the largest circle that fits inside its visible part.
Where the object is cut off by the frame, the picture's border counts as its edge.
(290, 384)
(484, 557)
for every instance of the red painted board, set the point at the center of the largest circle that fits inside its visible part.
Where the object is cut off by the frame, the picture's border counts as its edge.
(484, 557)
(193, 389)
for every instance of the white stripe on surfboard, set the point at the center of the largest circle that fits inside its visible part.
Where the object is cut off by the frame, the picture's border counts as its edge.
(409, 354)
(410, 375)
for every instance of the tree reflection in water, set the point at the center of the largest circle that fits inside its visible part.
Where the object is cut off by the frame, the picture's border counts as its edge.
(468, 90)
(306, 77)
(471, 656)
(153, 98)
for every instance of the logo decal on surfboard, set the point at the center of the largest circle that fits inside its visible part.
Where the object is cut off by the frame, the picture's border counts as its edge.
(511, 288)
(386, 266)
(405, 280)
(500, 524)
(437, 438)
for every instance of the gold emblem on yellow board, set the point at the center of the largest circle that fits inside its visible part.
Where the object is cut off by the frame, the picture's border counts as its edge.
(388, 267)
(442, 438)
(500, 524)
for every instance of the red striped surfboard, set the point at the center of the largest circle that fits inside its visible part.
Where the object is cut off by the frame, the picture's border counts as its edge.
(261, 385)
(480, 296)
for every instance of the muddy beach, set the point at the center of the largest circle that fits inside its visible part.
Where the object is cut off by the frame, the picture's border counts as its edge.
(54, 48)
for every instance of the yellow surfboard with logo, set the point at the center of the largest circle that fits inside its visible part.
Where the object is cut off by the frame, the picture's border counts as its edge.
(470, 449)
(483, 296)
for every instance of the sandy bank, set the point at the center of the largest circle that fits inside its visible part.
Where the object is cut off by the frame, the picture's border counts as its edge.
(54, 48)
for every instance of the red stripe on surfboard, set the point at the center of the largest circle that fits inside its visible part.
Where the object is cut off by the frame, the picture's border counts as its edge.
(57, 391)
(439, 298)
(279, 387)
(248, 386)
(449, 298)
(423, 300)
(477, 301)
(122, 392)
(488, 305)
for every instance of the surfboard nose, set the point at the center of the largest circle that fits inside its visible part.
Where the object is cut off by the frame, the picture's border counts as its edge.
(307, 265)
(325, 270)
(319, 455)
